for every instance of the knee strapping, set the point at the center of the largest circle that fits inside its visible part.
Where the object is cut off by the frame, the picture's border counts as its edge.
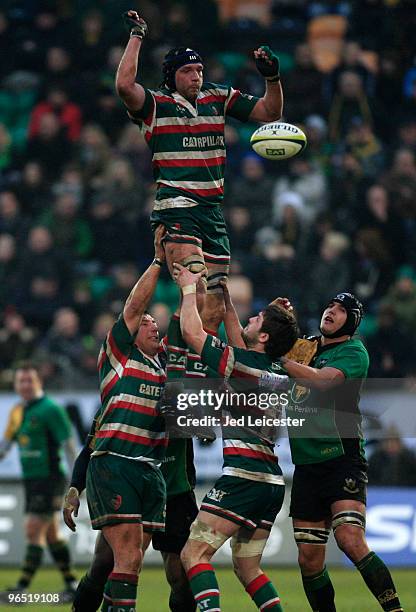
(214, 278)
(244, 549)
(348, 517)
(201, 532)
(311, 535)
(195, 263)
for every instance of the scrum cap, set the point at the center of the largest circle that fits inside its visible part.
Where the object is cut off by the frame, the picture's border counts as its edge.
(176, 58)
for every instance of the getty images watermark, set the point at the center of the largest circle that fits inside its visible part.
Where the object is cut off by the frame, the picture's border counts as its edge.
(238, 409)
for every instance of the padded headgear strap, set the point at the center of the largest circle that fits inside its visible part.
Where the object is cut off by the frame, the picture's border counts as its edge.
(355, 313)
(176, 58)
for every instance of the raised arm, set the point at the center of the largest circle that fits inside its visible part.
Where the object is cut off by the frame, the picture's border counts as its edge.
(143, 290)
(132, 94)
(191, 325)
(270, 106)
(232, 323)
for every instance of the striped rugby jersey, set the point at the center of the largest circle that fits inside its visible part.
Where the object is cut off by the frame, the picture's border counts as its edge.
(128, 423)
(187, 142)
(252, 458)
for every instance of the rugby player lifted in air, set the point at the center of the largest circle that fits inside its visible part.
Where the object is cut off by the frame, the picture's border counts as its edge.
(244, 502)
(183, 124)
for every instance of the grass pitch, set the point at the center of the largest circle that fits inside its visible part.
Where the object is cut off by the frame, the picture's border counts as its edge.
(351, 593)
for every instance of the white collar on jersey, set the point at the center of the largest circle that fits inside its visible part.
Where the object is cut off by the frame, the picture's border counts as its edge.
(155, 359)
(184, 102)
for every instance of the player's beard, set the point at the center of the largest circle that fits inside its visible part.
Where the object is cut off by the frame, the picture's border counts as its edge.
(248, 340)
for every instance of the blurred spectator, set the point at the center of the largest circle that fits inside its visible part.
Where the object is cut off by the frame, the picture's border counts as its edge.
(90, 45)
(124, 276)
(92, 344)
(392, 351)
(240, 229)
(392, 464)
(120, 184)
(50, 146)
(316, 130)
(305, 178)
(253, 190)
(8, 264)
(362, 143)
(303, 86)
(94, 152)
(401, 297)
(70, 232)
(68, 113)
(12, 220)
(113, 237)
(372, 270)
(162, 314)
(329, 274)
(33, 189)
(17, 342)
(133, 147)
(6, 148)
(352, 62)
(62, 347)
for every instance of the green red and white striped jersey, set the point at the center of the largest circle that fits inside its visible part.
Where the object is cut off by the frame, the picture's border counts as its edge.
(251, 457)
(187, 142)
(129, 423)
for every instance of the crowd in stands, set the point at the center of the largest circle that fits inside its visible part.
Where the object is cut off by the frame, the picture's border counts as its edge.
(76, 186)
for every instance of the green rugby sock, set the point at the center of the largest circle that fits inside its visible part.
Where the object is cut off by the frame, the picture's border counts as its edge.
(204, 586)
(33, 559)
(377, 577)
(264, 595)
(120, 593)
(320, 592)
(60, 554)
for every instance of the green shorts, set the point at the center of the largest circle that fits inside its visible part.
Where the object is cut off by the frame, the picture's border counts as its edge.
(125, 491)
(245, 502)
(203, 226)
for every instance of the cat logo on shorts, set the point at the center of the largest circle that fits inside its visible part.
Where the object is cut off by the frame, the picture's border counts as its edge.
(350, 485)
(216, 494)
(116, 502)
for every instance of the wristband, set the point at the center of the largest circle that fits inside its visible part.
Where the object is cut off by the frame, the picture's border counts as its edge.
(187, 289)
(157, 262)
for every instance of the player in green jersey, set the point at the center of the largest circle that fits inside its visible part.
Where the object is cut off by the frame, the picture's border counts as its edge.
(246, 499)
(42, 431)
(330, 478)
(183, 124)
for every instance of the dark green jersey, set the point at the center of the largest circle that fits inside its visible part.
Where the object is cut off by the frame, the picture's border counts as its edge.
(187, 142)
(250, 457)
(40, 428)
(333, 418)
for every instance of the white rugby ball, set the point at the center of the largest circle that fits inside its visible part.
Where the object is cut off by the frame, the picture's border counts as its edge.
(278, 140)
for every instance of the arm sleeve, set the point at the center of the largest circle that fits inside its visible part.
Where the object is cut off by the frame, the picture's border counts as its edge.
(218, 356)
(146, 112)
(119, 341)
(352, 361)
(239, 105)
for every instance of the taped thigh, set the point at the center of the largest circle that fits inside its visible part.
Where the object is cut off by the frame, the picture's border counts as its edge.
(311, 535)
(195, 263)
(243, 549)
(201, 532)
(348, 517)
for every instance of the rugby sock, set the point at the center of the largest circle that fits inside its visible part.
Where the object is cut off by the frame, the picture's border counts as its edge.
(60, 554)
(320, 592)
(204, 586)
(378, 579)
(32, 561)
(263, 593)
(182, 601)
(88, 595)
(120, 592)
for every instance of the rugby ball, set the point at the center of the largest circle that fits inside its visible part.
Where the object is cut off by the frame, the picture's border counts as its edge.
(278, 140)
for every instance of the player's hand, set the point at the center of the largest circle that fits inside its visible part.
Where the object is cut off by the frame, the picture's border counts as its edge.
(267, 63)
(135, 25)
(283, 302)
(182, 276)
(71, 505)
(226, 293)
(158, 243)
